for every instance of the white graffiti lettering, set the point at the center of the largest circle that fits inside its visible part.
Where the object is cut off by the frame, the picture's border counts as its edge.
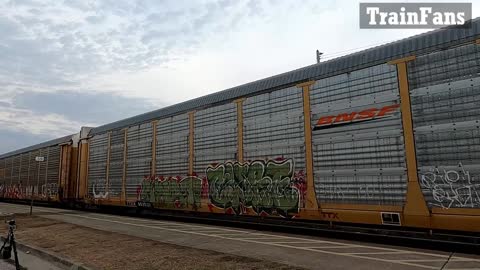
(451, 188)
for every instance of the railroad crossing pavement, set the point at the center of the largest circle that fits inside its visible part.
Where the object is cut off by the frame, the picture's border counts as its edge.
(303, 251)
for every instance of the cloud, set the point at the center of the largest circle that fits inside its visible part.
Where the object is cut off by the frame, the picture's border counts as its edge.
(27, 121)
(32, 115)
(89, 38)
(64, 64)
(86, 107)
(12, 140)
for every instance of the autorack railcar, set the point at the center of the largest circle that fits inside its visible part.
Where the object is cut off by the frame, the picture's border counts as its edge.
(388, 135)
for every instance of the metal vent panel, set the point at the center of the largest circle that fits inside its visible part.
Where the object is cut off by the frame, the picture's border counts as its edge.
(24, 164)
(215, 136)
(53, 162)
(52, 170)
(445, 97)
(444, 66)
(8, 170)
(97, 165)
(15, 178)
(172, 146)
(115, 176)
(42, 170)
(274, 127)
(139, 156)
(2, 174)
(358, 160)
(33, 175)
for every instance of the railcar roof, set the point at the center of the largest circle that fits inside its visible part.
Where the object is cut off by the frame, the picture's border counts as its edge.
(38, 146)
(419, 44)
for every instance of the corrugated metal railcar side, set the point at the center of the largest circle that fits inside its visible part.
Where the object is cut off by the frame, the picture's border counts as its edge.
(445, 99)
(21, 177)
(385, 136)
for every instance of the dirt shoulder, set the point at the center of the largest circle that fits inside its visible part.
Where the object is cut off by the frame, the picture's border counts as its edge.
(106, 250)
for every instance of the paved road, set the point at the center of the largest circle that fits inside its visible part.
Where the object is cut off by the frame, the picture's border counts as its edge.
(6, 266)
(30, 262)
(304, 251)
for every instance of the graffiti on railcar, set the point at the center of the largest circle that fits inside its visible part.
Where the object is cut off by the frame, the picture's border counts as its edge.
(451, 188)
(268, 187)
(20, 191)
(15, 191)
(99, 189)
(49, 190)
(174, 191)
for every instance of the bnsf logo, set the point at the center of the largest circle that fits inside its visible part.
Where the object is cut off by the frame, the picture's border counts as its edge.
(353, 117)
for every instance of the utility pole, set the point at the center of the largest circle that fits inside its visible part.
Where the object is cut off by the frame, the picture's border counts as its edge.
(319, 55)
(38, 159)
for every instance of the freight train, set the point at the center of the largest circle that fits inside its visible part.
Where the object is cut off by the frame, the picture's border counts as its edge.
(388, 136)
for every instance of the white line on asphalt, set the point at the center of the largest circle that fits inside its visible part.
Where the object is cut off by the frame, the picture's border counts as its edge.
(335, 247)
(462, 259)
(382, 253)
(79, 215)
(209, 231)
(282, 237)
(260, 238)
(258, 242)
(476, 268)
(224, 234)
(339, 245)
(423, 260)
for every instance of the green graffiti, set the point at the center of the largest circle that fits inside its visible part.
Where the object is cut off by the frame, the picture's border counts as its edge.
(264, 186)
(171, 192)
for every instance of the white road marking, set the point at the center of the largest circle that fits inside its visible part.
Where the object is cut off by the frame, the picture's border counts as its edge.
(476, 268)
(258, 242)
(462, 259)
(260, 238)
(282, 237)
(381, 253)
(279, 244)
(225, 234)
(334, 247)
(428, 260)
(306, 242)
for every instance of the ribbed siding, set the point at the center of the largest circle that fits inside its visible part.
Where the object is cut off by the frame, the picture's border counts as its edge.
(33, 172)
(139, 156)
(445, 96)
(52, 170)
(16, 173)
(215, 136)
(362, 162)
(172, 146)
(2, 177)
(8, 170)
(274, 127)
(97, 165)
(24, 169)
(116, 163)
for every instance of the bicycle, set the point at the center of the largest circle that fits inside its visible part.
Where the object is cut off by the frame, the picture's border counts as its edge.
(9, 244)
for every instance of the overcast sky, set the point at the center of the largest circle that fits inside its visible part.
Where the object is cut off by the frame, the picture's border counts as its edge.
(67, 64)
